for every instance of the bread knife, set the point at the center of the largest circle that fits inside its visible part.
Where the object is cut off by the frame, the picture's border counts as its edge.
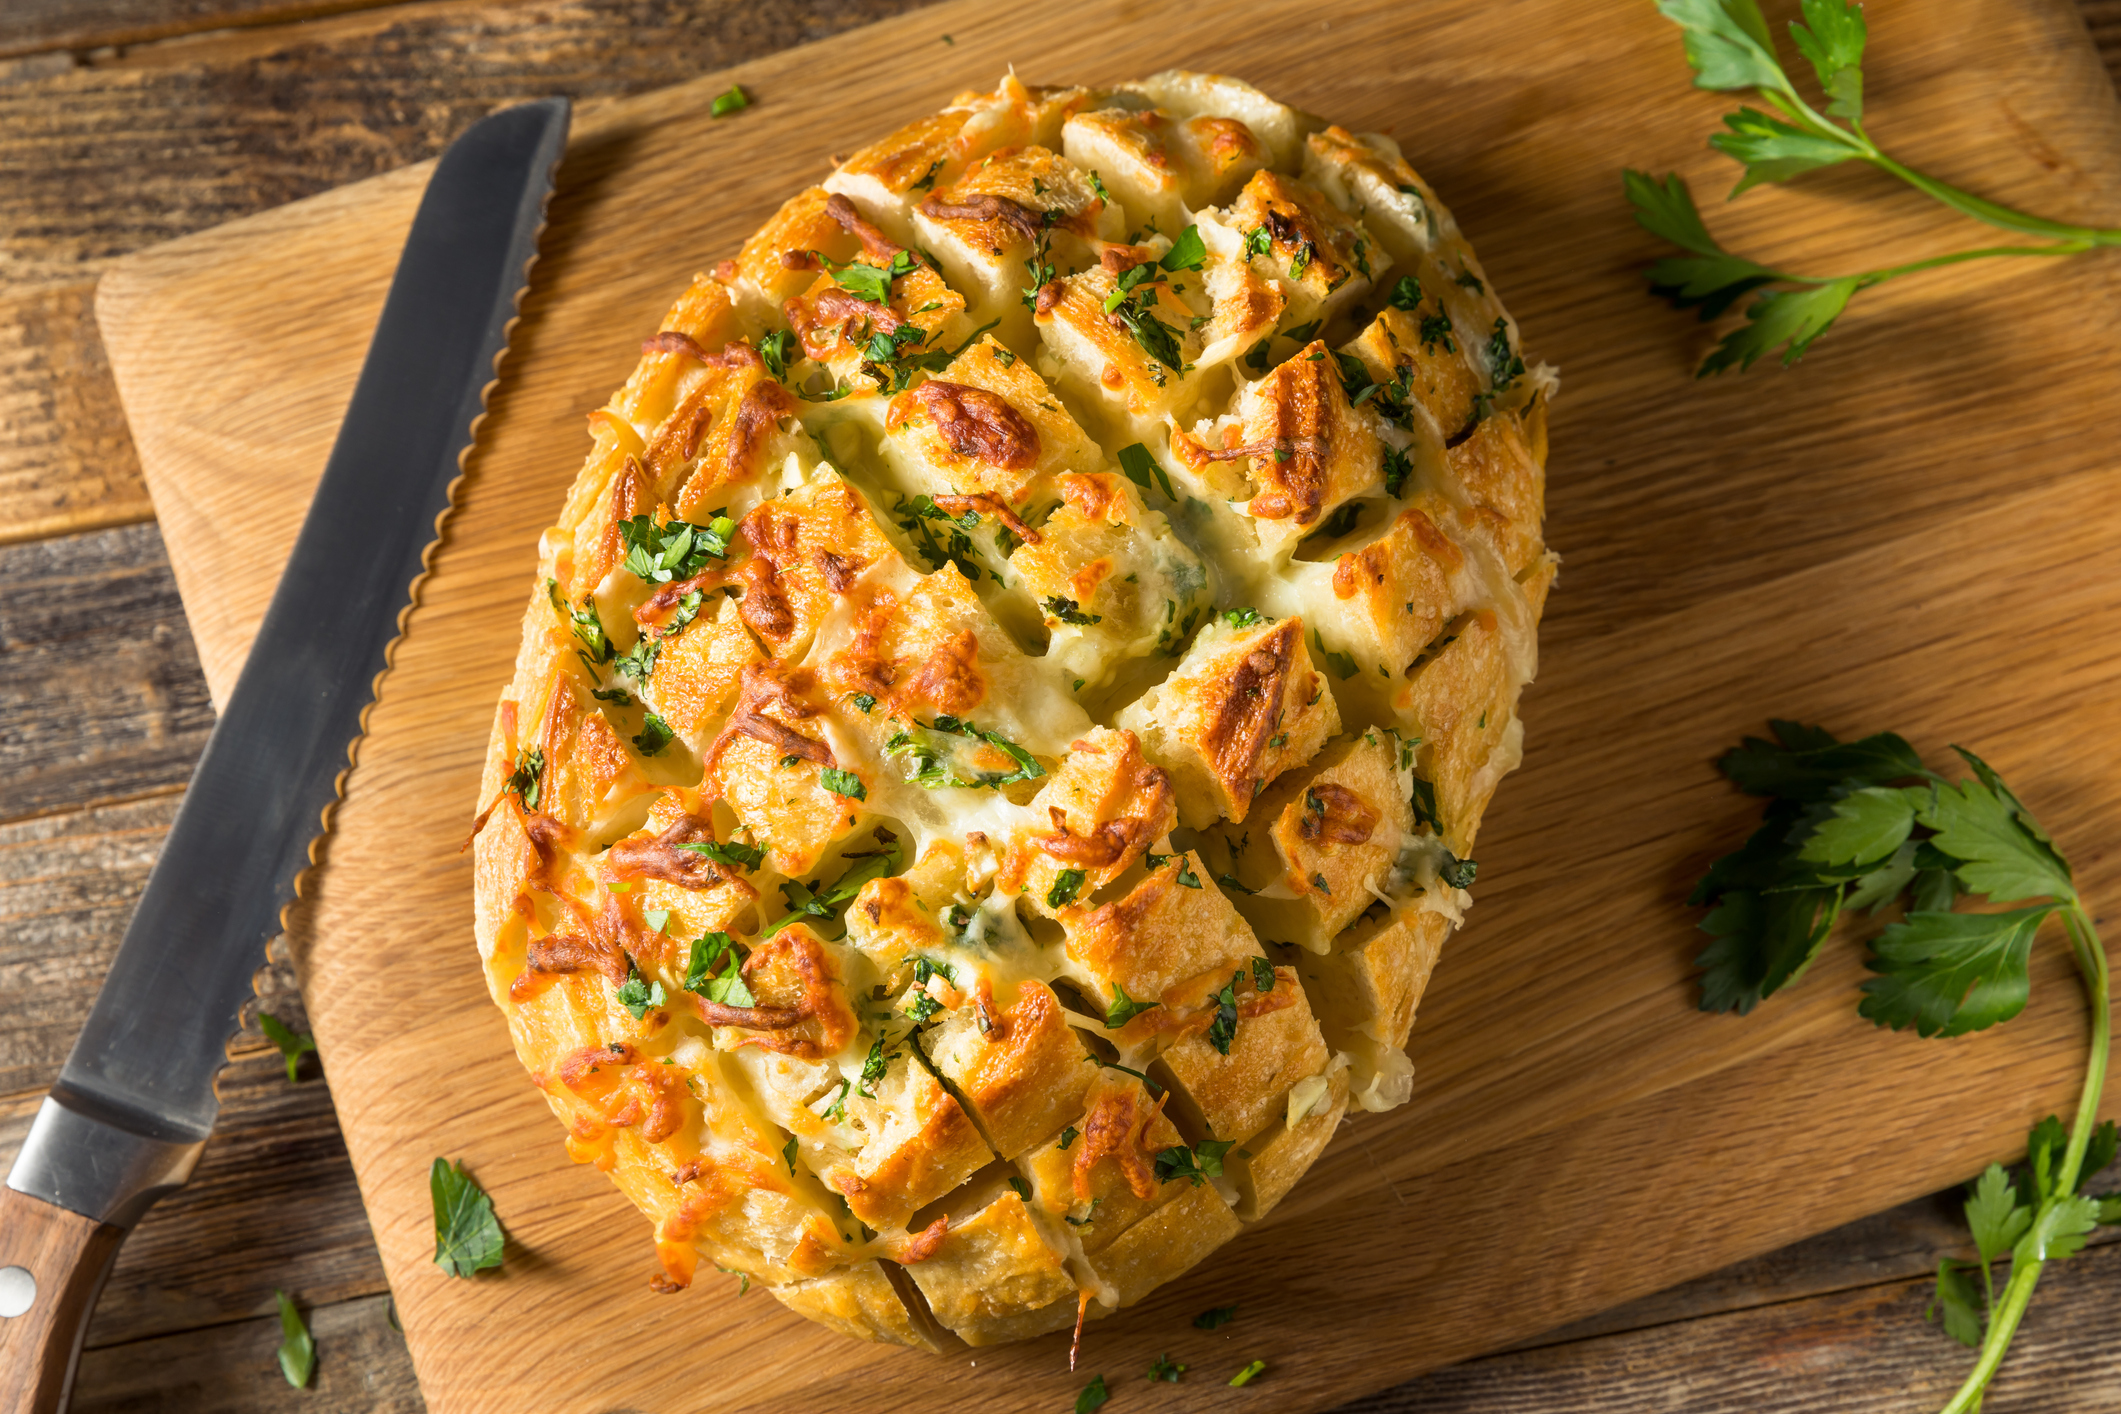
(135, 1103)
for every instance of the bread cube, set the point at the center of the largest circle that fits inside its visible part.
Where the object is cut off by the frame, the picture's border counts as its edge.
(797, 555)
(1324, 258)
(1320, 840)
(1233, 1094)
(1095, 816)
(859, 1301)
(1244, 705)
(988, 426)
(1303, 450)
(1365, 992)
(1138, 374)
(1113, 581)
(1266, 1166)
(1158, 164)
(995, 1276)
(1015, 1059)
(1173, 940)
(1012, 213)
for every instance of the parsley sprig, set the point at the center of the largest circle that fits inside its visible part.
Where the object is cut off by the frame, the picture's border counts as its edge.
(1731, 49)
(1865, 824)
(830, 900)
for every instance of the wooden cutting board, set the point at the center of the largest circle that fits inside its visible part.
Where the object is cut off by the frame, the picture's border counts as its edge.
(1916, 529)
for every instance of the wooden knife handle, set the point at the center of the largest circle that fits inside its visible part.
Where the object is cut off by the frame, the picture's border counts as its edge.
(66, 1256)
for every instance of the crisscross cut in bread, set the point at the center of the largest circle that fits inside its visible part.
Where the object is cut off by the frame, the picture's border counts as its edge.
(1005, 711)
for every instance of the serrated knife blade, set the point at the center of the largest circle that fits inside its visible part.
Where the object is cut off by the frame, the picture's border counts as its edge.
(135, 1102)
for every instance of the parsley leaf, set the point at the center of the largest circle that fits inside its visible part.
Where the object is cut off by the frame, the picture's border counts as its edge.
(1140, 465)
(836, 896)
(1066, 884)
(734, 853)
(1946, 974)
(298, 1350)
(1188, 252)
(468, 1238)
(727, 103)
(293, 1045)
(1163, 1368)
(843, 783)
(1093, 1396)
(1123, 1009)
(934, 758)
(1200, 1163)
(1959, 1303)
(1070, 612)
(1214, 1317)
(709, 952)
(1248, 1374)
(1223, 1029)
(1999, 856)
(655, 734)
(1832, 37)
(526, 782)
(875, 1066)
(639, 996)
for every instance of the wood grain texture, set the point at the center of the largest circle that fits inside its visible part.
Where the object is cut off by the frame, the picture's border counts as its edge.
(232, 1369)
(104, 151)
(39, 26)
(100, 694)
(66, 1256)
(1567, 1092)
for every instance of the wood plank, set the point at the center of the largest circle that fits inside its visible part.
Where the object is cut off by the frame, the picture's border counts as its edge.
(114, 151)
(273, 1202)
(1567, 1088)
(362, 1368)
(39, 26)
(66, 458)
(1859, 1352)
(101, 696)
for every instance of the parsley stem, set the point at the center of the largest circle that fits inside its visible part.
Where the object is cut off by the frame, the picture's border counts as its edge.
(1994, 213)
(1872, 277)
(2026, 1263)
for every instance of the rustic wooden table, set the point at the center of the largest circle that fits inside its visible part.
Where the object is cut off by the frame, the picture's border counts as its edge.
(125, 122)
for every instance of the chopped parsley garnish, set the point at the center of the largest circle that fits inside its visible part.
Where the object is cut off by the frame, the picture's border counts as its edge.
(1097, 184)
(1436, 329)
(1342, 664)
(728, 103)
(1505, 364)
(1188, 252)
(1093, 1396)
(709, 952)
(1424, 803)
(527, 781)
(809, 903)
(658, 554)
(1065, 886)
(1214, 1316)
(788, 1153)
(865, 701)
(588, 628)
(1257, 242)
(1186, 877)
(778, 351)
(956, 548)
(1223, 1029)
(1201, 1162)
(468, 1238)
(1022, 1187)
(298, 1349)
(638, 995)
(927, 181)
(1123, 1009)
(922, 1007)
(1468, 280)
(1068, 1136)
(1456, 872)
(924, 970)
(734, 853)
(1140, 464)
(1406, 295)
(1248, 1374)
(842, 783)
(874, 1066)
(872, 283)
(1398, 466)
(1151, 1086)
(616, 696)
(933, 757)
(1262, 974)
(1318, 882)
(292, 1044)
(1164, 1369)
(655, 734)
(1070, 612)
(1244, 618)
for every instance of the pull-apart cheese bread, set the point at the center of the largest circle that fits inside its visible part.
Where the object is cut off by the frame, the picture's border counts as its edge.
(1005, 711)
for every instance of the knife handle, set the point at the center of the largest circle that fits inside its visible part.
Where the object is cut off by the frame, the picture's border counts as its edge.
(65, 1257)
